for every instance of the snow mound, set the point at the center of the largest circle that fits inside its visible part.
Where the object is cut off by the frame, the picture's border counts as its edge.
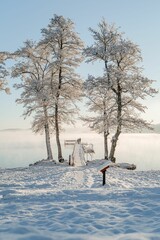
(126, 166)
(44, 162)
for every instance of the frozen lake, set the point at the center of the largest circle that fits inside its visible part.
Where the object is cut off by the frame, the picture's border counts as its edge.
(20, 148)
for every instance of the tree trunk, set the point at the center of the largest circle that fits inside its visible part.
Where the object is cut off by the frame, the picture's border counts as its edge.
(114, 144)
(48, 143)
(60, 158)
(119, 124)
(47, 135)
(106, 145)
(106, 131)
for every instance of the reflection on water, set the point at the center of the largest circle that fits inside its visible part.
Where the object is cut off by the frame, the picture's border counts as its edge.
(20, 148)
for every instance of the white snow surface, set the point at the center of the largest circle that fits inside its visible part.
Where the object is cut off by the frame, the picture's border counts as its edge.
(57, 201)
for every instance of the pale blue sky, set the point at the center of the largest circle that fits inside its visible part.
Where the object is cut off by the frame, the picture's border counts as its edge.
(23, 19)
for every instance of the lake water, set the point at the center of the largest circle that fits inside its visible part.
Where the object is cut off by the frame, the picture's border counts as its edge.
(21, 148)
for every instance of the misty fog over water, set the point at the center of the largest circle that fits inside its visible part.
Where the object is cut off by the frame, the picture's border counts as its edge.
(21, 148)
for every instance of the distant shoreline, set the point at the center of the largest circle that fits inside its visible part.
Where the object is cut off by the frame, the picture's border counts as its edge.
(156, 129)
(14, 129)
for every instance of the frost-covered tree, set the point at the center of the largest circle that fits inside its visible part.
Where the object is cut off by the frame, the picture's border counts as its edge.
(66, 47)
(3, 72)
(101, 103)
(34, 70)
(123, 78)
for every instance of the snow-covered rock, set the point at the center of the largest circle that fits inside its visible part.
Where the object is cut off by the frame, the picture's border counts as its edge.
(44, 162)
(126, 166)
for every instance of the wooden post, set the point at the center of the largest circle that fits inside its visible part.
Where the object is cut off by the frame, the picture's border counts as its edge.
(104, 177)
(69, 159)
(103, 171)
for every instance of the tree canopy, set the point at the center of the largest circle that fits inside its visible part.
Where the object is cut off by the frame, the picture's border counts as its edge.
(3, 72)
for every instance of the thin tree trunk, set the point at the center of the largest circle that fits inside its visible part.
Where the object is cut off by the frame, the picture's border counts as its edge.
(47, 136)
(114, 144)
(119, 125)
(106, 132)
(60, 158)
(106, 145)
(48, 143)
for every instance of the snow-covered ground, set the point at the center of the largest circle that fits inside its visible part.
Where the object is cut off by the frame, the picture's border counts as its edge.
(63, 202)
